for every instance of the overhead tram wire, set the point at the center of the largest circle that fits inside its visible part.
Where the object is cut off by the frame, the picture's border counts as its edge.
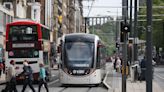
(120, 6)
(90, 8)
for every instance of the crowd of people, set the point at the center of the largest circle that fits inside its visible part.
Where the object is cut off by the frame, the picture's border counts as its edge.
(117, 63)
(140, 66)
(27, 76)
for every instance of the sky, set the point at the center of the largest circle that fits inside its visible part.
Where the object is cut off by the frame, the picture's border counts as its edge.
(102, 8)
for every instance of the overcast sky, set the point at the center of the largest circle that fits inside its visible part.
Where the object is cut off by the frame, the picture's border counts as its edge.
(112, 9)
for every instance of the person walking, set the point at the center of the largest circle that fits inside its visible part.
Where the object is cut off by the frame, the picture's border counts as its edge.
(143, 68)
(28, 76)
(42, 77)
(1, 69)
(3, 61)
(118, 64)
(11, 78)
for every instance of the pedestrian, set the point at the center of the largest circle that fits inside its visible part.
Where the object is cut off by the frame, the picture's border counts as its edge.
(42, 77)
(28, 76)
(11, 78)
(143, 68)
(3, 65)
(118, 64)
(1, 68)
(114, 63)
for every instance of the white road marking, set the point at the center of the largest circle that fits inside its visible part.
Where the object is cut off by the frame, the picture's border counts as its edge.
(104, 81)
(159, 76)
(53, 82)
(53, 75)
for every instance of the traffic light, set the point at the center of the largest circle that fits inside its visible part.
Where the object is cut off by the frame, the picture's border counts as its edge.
(117, 45)
(125, 27)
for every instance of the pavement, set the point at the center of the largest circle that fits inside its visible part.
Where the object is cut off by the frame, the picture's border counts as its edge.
(2, 79)
(114, 80)
(114, 83)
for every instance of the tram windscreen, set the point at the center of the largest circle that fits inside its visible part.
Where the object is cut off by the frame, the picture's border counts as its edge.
(79, 54)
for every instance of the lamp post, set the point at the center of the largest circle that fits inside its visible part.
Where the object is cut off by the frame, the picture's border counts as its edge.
(149, 47)
(124, 17)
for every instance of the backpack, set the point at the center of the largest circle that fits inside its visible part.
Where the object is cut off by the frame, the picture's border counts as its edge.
(47, 73)
(28, 72)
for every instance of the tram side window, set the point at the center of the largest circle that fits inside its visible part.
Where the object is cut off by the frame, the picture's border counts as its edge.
(103, 56)
(98, 58)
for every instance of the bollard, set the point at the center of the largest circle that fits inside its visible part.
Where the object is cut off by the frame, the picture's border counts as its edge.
(136, 73)
(132, 73)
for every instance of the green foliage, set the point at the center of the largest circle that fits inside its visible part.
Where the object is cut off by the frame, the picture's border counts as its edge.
(106, 33)
(158, 26)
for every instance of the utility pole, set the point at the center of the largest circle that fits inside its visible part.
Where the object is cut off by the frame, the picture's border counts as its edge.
(131, 57)
(60, 17)
(163, 31)
(85, 24)
(135, 35)
(124, 17)
(131, 32)
(149, 47)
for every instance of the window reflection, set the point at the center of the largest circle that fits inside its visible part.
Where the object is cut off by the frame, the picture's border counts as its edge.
(79, 54)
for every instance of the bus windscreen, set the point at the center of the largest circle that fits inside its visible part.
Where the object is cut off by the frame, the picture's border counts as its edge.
(23, 33)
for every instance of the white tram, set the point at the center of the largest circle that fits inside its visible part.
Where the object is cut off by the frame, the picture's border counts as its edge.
(82, 59)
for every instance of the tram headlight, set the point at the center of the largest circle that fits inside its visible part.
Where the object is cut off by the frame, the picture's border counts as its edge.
(70, 72)
(67, 71)
(87, 71)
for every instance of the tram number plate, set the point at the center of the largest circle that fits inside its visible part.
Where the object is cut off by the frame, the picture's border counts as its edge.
(78, 71)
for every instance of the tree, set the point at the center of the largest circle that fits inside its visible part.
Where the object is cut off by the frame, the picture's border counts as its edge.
(158, 26)
(106, 32)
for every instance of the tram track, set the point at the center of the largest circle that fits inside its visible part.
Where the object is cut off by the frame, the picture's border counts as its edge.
(89, 89)
(63, 89)
(82, 88)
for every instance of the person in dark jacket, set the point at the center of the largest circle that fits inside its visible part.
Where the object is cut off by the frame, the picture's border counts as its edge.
(1, 68)
(143, 68)
(28, 76)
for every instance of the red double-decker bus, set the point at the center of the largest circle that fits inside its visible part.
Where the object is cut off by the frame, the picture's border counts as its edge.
(28, 40)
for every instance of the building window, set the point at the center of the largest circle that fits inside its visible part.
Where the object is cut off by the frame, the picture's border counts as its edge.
(4, 19)
(37, 1)
(1, 18)
(34, 13)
